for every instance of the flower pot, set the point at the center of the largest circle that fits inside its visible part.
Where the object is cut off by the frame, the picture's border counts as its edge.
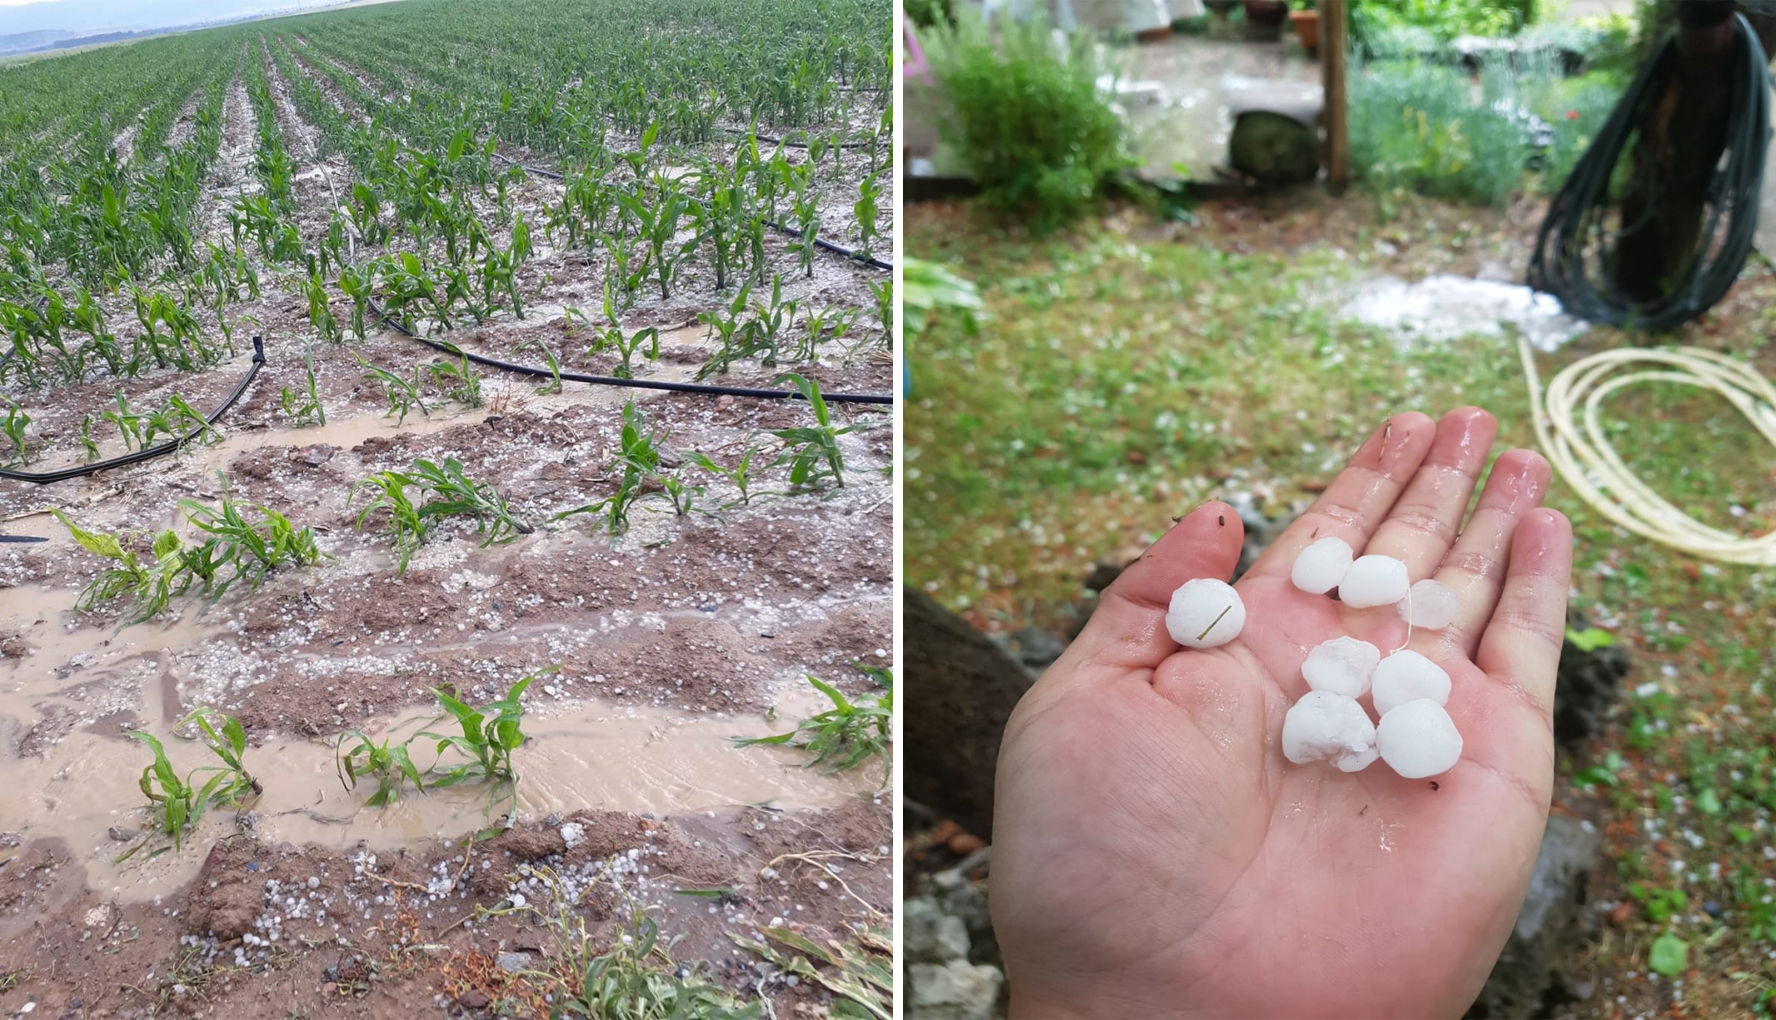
(1307, 29)
(1264, 19)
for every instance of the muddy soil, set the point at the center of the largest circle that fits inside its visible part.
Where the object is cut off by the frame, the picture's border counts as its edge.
(651, 650)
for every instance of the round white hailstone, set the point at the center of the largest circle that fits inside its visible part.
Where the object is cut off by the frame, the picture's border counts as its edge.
(1430, 604)
(1324, 726)
(1418, 739)
(1205, 613)
(1373, 581)
(1343, 665)
(1408, 676)
(1321, 566)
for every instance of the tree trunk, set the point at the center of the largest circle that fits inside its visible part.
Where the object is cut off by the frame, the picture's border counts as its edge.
(957, 694)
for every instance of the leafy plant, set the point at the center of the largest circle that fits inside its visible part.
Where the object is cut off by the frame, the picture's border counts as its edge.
(177, 803)
(13, 427)
(304, 406)
(637, 461)
(462, 382)
(846, 735)
(487, 736)
(812, 451)
(388, 762)
(1669, 955)
(151, 587)
(1034, 126)
(445, 492)
(740, 474)
(403, 395)
(252, 550)
(645, 341)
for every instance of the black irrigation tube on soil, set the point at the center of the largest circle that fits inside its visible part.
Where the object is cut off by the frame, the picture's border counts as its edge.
(611, 380)
(868, 260)
(46, 477)
(773, 140)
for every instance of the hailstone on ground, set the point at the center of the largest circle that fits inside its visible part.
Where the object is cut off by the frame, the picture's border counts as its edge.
(1429, 604)
(1343, 665)
(1417, 739)
(1408, 676)
(1205, 613)
(1324, 726)
(1373, 580)
(1321, 566)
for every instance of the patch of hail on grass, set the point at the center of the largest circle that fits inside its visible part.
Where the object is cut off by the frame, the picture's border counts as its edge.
(1443, 308)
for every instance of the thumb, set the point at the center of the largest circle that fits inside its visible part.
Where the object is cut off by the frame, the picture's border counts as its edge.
(1127, 630)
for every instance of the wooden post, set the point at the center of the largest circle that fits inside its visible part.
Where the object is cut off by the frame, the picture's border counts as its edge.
(1332, 51)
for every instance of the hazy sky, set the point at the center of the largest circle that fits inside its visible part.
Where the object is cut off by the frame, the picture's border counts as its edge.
(83, 16)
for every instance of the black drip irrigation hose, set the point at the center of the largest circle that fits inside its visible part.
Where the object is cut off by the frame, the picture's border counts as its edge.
(855, 256)
(454, 351)
(1575, 220)
(46, 477)
(773, 140)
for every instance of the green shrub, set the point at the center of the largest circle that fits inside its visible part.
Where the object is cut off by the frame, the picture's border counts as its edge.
(1035, 129)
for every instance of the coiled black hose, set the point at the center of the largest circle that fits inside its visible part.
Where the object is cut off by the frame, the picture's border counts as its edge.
(1574, 225)
(161, 450)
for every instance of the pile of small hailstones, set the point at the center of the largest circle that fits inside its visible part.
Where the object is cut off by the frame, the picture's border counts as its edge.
(1416, 737)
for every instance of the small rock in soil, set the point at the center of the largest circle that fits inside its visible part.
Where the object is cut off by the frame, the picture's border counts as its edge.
(957, 990)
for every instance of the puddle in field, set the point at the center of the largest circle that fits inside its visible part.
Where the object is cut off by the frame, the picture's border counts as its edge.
(594, 756)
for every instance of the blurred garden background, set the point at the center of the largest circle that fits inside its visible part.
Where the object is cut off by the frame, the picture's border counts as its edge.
(1105, 330)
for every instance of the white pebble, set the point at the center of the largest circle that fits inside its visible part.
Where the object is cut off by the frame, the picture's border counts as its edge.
(1408, 676)
(1430, 604)
(1321, 566)
(1343, 665)
(1324, 726)
(1374, 581)
(1205, 613)
(1419, 740)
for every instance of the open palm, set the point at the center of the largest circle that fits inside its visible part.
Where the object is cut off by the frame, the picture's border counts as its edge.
(1154, 853)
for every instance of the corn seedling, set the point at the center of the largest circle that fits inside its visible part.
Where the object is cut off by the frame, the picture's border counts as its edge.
(13, 427)
(638, 460)
(549, 358)
(356, 282)
(844, 736)
(304, 406)
(90, 449)
(445, 492)
(867, 213)
(403, 395)
(740, 474)
(151, 586)
(252, 550)
(647, 341)
(320, 311)
(487, 737)
(462, 383)
(388, 762)
(177, 803)
(812, 451)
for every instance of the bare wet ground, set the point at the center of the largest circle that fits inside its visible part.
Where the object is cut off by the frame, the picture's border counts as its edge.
(668, 641)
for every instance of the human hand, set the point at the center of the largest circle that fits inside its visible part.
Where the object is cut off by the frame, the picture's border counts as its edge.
(1154, 854)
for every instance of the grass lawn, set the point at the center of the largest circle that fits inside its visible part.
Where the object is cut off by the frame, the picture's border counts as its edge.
(1130, 369)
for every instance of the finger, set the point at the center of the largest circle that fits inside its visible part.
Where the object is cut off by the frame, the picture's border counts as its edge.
(1475, 567)
(1422, 524)
(1127, 630)
(1520, 647)
(1356, 501)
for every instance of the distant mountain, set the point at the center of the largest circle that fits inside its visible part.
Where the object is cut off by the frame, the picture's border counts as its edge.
(24, 42)
(90, 17)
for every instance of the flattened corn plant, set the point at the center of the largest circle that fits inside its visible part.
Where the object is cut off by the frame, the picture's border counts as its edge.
(846, 735)
(441, 490)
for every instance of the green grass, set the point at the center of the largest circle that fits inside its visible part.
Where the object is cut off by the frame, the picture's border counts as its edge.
(1121, 374)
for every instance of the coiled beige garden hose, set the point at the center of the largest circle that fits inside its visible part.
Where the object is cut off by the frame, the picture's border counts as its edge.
(1588, 461)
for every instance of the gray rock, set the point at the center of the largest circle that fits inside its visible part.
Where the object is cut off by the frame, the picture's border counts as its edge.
(933, 936)
(957, 990)
(1525, 980)
(512, 963)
